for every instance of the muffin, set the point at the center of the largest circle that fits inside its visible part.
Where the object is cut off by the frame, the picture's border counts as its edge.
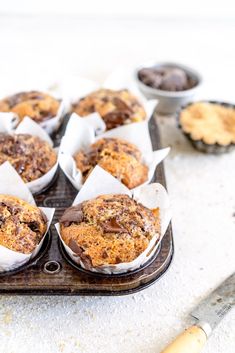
(37, 105)
(29, 155)
(109, 230)
(209, 126)
(22, 226)
(115, 107)
(118, 157)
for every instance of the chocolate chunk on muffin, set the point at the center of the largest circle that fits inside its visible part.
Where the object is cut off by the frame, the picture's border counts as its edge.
(209, 126)
(22, 226)
(118, 157)
(115, 107)
(109, 229)
(29, 155)
(37, 105)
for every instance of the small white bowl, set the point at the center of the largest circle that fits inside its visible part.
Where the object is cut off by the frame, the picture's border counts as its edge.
(169, 102)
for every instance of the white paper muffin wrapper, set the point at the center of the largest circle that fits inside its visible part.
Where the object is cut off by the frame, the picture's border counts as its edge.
(52, 125)
(152, 196)
(28, 126)
(79, 135)
(12, 184)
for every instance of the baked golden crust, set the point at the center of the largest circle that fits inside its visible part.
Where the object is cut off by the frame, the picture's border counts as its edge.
(212, 123)
(118, 157)
(37, 105)
(109, 229)
(22, 225)
(29, 155)
(115, 107)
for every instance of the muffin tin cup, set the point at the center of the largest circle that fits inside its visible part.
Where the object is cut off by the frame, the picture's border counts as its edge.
(28, 126)
(200, 145)
(103, 275)
(33, 261)
(11, 184)
(152, 196)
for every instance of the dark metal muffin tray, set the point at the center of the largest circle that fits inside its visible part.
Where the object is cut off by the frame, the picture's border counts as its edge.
(53, 273)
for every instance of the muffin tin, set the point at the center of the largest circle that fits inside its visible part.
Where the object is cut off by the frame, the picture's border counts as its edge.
(53, 273)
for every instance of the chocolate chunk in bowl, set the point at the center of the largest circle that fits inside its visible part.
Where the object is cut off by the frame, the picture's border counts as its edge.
(166, 78)
(172, 84)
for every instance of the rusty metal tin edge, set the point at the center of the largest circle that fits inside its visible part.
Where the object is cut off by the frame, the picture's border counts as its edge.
(94, 293)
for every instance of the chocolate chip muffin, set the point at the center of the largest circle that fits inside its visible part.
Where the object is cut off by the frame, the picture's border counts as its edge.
(115, 107)
(109, 230)
(22, 225)
(37, 105)
(118, 157)
(29, 155)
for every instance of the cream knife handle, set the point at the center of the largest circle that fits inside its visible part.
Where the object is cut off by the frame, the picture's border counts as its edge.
(191, 340)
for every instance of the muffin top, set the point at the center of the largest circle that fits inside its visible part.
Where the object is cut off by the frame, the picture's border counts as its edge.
(212, 123)
(115, 107)
(22, 225)
(118, 157)
(29, 155)
(37, 105)
(109, 229)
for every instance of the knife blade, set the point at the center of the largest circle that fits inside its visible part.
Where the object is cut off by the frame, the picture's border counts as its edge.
(212, 309)
(208, 314)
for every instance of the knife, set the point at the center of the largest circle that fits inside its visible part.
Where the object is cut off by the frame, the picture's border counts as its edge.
(207, 314)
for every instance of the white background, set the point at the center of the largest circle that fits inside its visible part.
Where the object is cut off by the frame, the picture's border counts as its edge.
(91, 38)
(166, 8)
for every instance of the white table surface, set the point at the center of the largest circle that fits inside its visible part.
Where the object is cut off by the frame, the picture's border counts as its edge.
(202, 187)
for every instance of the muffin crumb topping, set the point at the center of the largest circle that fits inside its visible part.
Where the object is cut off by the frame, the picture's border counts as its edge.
(212, 123)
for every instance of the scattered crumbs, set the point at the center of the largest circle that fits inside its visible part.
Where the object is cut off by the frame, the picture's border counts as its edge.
(7, 317)
(61, 346)
(53, 87)
(6, 333)
(77, 344)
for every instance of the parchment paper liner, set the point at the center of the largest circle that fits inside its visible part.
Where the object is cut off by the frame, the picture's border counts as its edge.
(12, 184)
(80, 135)
(28, 126)
(152, 196)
